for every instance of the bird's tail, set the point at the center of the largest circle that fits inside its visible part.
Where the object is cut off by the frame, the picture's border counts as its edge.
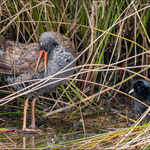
(5, 61)
(5, 65)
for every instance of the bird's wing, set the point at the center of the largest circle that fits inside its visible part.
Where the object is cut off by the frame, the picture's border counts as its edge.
(18, 58)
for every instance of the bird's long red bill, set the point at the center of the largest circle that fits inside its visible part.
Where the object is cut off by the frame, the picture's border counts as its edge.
(45, 61)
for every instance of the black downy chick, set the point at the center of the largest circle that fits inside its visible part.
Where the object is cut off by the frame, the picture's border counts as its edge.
(141, 90)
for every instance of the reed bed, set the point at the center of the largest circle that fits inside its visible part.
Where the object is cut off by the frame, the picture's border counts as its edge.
(111, 39)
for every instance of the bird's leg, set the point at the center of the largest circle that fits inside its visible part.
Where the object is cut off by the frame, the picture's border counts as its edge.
(138, 116)
(33, 113)
(147, 118)
(25, 114)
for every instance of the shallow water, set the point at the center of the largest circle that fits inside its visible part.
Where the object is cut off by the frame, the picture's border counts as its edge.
(41, 139)
(58, 130)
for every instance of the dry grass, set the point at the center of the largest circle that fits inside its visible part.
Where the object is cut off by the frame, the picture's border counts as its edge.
(112, 46)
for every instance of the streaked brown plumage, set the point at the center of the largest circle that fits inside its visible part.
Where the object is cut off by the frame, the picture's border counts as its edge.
(18, 62)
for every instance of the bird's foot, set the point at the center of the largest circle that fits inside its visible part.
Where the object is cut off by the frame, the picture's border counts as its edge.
(31, 129)
(32, 126)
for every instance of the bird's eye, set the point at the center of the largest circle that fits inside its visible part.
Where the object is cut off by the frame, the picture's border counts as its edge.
(138, 87)
(54, 44)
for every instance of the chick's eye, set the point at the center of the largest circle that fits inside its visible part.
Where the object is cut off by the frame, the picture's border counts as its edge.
(138, 87)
